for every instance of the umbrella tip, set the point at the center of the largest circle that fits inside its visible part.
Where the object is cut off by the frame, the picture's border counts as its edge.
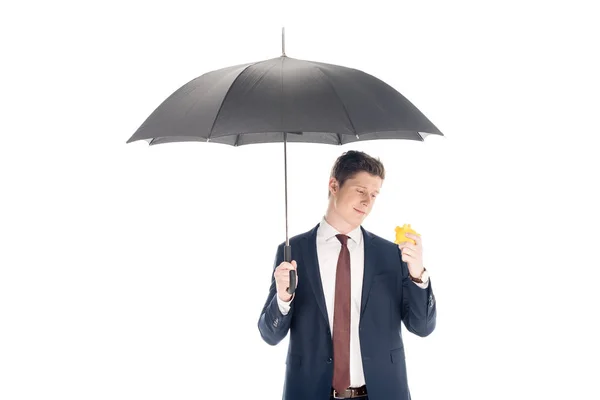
(283, 42)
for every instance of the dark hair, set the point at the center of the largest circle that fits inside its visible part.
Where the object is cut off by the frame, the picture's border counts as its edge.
(352, 162)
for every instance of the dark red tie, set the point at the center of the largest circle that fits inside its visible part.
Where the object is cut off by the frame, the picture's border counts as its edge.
(341, 319)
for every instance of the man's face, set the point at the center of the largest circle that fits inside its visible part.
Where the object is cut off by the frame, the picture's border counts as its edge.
(354, 201)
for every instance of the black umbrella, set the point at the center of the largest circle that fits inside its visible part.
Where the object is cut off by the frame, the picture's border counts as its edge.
(284, 100)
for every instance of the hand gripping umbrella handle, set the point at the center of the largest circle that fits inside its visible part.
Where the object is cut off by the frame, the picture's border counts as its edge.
(287, 256)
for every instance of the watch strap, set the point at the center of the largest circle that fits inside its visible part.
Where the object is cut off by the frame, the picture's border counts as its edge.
(417, 280)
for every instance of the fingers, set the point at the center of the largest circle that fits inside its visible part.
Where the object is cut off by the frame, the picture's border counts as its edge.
(407, 245)
(409, 252)
(283, 279)
(409, 258)
(287, 266)
(411, 245)
(416, 238)
(282, 273)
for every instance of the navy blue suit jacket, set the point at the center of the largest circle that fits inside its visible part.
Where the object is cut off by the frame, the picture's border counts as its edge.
(389, 298)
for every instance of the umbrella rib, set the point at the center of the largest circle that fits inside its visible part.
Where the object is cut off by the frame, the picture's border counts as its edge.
(225, 97)
(338, 96)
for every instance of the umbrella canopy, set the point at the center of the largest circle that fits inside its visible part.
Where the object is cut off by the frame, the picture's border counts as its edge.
(259, 102)
(284, 100)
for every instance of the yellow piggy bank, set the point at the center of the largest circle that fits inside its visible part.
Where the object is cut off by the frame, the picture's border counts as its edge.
(400, 234)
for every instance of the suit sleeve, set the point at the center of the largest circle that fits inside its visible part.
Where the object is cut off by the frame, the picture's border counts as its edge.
(273, 325)
(419, 310)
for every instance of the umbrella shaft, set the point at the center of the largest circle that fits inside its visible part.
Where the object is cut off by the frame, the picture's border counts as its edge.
(287, 240)
(287, 250)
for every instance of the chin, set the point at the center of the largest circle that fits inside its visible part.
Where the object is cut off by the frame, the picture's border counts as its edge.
(358, 217)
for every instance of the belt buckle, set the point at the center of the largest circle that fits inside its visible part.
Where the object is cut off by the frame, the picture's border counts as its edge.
(347, 392)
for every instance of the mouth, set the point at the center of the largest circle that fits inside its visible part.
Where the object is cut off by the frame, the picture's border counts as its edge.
(360, 212)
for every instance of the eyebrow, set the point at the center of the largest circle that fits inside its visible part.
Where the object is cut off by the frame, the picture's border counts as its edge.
(364, 187)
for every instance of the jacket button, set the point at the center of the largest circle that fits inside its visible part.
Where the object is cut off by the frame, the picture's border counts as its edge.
(329, 360)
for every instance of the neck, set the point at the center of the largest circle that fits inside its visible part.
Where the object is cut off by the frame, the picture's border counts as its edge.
(335, 220)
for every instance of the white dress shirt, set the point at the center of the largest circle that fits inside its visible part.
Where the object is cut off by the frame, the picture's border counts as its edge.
(328, 251)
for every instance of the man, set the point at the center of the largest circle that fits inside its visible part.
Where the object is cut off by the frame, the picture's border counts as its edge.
(353, 290)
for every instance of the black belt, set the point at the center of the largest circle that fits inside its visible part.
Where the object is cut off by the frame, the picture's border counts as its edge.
(350, 393)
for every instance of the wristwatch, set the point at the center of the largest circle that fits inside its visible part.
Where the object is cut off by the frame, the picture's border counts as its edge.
(423, 278)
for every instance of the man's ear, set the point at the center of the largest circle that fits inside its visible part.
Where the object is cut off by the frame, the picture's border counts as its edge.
(333, 184)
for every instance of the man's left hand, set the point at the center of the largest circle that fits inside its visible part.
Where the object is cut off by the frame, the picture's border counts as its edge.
(412, 254)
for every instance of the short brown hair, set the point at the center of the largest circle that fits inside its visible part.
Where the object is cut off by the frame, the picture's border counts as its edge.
(352, 162)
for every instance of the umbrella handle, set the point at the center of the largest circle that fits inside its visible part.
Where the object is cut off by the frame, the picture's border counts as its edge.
(287, 256)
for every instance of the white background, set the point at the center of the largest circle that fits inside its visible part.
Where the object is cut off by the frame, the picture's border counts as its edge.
(136, 272)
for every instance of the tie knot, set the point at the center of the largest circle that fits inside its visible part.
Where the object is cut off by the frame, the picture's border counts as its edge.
(343, 239)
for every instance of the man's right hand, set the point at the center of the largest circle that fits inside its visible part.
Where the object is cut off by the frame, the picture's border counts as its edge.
(282, 279)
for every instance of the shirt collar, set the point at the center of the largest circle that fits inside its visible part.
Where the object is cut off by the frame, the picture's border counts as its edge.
(327, 232)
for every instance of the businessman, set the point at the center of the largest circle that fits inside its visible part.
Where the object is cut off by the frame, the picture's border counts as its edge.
(354, 290)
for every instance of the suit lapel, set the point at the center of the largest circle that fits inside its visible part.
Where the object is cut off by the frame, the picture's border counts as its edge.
(369, 269)
(313, 271)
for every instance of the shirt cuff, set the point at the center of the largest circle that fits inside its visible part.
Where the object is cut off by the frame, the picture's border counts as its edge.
(284, 306)
(423, 285)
